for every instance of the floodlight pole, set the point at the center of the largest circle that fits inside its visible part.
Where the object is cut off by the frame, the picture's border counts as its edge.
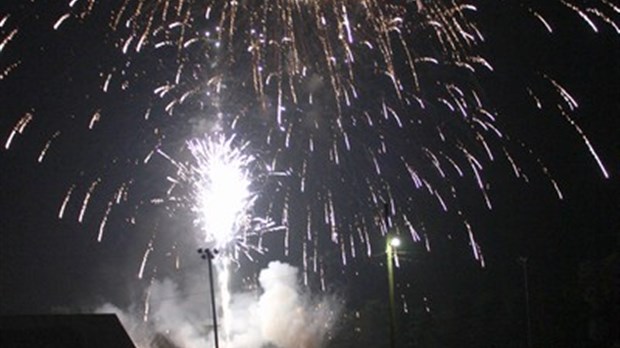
(389, 251)
(526, 289)
(390, 270)
(209, 255)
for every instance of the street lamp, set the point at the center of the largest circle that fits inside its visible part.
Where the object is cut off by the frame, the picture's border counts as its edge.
(209, 255)
(395, 242)
(392, 243)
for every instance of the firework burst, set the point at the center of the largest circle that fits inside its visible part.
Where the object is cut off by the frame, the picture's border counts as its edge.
(217, 185)
(221, 189)
(356, 102)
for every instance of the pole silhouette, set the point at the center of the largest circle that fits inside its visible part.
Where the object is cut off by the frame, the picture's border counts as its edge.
(209, 255)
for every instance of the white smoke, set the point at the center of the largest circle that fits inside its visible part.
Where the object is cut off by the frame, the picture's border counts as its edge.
(281, 315)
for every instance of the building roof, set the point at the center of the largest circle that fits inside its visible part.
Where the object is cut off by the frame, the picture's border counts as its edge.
(63, 331)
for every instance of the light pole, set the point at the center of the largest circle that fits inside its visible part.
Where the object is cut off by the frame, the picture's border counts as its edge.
(526, 289)
(392, 243)
(208, 254)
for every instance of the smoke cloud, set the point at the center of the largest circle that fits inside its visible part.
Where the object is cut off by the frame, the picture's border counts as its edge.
(279, 315)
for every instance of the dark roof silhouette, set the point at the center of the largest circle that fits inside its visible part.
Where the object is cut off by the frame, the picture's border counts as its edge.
(63, 331)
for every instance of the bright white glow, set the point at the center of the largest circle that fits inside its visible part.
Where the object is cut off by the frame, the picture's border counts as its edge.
(395, 242)
(221, 188)
(221, 200)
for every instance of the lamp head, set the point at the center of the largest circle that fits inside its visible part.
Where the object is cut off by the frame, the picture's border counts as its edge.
(395, 242)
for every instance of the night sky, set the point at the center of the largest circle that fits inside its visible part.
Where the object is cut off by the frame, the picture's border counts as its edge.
(51, 265)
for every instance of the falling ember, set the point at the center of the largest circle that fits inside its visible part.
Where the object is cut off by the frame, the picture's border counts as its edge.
(147, 303)
(89, 193)
(104, 221)
(94, 119)
(47, 147)
(145, 258)
(7, 39)
(587, 142)
(63, 206)
(61, 20)
(19, 128)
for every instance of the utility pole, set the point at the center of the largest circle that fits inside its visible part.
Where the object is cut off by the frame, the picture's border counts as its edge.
(526, 289)
(209, 255)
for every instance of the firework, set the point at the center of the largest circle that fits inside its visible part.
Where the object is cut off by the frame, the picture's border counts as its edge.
(354, 102)
(221, 189)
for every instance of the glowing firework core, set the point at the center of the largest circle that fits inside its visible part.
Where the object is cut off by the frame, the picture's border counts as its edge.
(221, 194)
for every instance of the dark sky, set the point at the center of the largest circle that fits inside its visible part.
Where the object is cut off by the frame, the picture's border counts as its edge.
(49, 264)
